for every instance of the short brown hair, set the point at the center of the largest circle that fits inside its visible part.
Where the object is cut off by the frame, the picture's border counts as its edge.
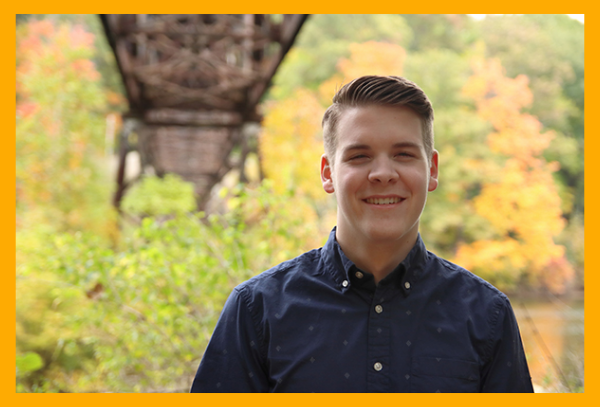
(378, 90)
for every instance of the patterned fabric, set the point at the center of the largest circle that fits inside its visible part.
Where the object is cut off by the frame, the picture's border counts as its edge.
(319, 324)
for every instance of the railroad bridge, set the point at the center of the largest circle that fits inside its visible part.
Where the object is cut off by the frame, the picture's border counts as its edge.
(193, 83)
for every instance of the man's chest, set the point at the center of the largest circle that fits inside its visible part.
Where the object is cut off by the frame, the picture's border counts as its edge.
(381, 346)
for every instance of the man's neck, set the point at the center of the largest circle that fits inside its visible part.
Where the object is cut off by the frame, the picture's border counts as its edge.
(376, 257)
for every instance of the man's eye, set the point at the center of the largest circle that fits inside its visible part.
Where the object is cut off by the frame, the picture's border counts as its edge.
(404, 154)
(357, 157)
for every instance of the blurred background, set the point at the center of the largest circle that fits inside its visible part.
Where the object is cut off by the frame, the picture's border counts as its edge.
(162, 160)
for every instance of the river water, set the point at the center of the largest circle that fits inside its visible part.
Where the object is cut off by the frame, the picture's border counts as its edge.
(552, 332)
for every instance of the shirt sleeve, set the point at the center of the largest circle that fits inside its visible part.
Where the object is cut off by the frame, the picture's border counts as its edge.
(232, 362)
(506, 369)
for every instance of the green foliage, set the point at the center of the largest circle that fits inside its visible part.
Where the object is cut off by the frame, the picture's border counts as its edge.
(454, 32)
(160, 196)
(137, 317)
(549, 49)
(60, 130)
(441, 73)
(325, 39)
(465, 161)
(28, 362)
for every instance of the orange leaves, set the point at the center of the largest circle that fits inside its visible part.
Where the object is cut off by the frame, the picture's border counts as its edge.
(522, 205)
(556, 273)
(60, 127)
(521, 139)
(490, 87)
(38, 34)
(26, 109)
(63, 51)
(499, 100)
(86, 69)
(79, 38)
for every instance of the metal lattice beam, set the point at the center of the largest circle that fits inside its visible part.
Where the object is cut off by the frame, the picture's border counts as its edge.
(192, 81)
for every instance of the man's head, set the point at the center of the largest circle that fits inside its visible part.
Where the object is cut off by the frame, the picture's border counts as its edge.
(377, 90)
(379, 160)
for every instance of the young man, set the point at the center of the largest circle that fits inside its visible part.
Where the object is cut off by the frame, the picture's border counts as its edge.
(372, 310)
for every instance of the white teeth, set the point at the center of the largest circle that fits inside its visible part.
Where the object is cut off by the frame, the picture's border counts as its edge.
(383, 201)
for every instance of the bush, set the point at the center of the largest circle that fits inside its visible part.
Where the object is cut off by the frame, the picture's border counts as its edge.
(138, 317)
(160, 196)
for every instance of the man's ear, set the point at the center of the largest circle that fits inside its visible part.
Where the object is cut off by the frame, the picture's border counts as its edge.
(326, 178)
(433, 172)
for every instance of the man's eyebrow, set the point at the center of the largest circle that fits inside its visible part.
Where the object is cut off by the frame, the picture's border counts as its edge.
(403, 144)
(357, 147)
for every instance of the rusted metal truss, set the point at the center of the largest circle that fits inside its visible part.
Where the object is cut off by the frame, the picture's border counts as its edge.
(193, 80)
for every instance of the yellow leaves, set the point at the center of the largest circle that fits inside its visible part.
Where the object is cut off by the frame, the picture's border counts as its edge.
(490, 257)
(60, 128)
(521, 139)
(372, 58)
(524, 202)
(291, 144)
(522, 205)
(368, 58)
(489, 87)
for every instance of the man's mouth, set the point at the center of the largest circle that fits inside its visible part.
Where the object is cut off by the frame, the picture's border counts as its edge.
(383, 201)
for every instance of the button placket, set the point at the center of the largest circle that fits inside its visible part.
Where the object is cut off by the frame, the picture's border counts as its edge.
(378, 379)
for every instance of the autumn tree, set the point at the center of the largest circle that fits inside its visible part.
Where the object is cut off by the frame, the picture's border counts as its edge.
(549, 49)
(367, 58)
(325, 39)
(60, 138)
(519, 199)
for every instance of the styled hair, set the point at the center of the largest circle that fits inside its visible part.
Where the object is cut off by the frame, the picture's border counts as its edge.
(377, 90)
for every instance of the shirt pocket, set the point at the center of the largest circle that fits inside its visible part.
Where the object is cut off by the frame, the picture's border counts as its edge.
(440, 375)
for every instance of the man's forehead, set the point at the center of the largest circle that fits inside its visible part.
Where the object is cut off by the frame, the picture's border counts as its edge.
(364, 125)
(351, 111)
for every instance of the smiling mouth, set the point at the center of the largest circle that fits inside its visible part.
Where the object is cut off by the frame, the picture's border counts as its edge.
(383, 201)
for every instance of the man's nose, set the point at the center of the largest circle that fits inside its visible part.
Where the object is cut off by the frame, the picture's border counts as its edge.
(383, 171)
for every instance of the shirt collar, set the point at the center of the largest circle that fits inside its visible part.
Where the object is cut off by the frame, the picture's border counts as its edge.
(340, 268)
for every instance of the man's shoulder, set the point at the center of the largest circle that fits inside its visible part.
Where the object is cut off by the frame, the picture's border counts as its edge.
(457, 276)
(271, 280)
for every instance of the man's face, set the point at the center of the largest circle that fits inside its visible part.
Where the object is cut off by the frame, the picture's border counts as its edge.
(381, 174)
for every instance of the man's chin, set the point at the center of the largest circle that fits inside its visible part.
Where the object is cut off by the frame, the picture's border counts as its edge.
(390, 235)
(385, 236)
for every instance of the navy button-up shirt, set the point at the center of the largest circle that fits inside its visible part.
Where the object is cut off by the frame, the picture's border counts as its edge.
(319, 324)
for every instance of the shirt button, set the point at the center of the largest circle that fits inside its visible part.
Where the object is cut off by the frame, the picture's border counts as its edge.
(378, 366)
(359, 274)
(345, 283)
(378, 309)
(407, 285)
